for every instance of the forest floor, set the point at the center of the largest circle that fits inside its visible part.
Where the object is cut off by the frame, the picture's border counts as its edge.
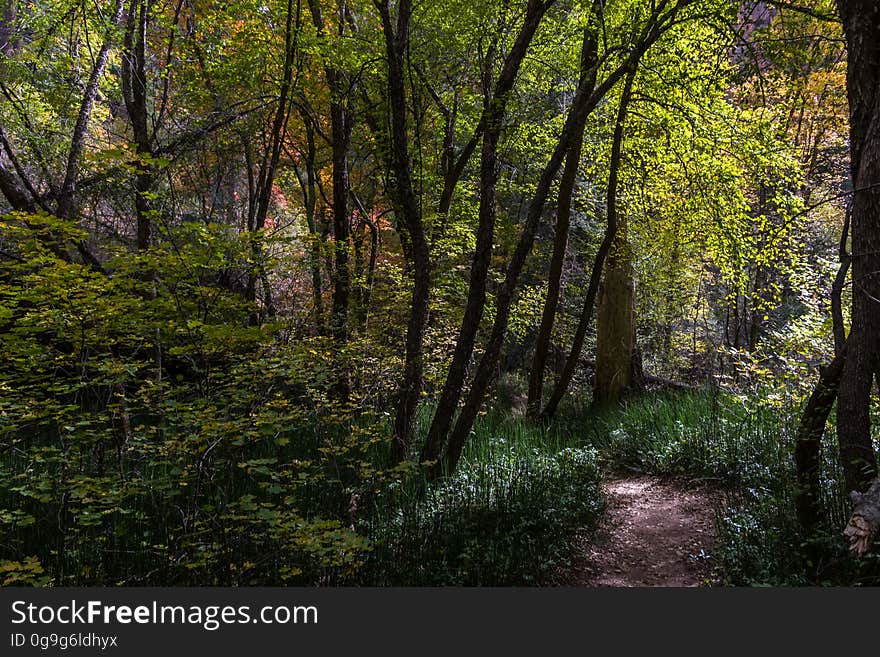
(656, 532)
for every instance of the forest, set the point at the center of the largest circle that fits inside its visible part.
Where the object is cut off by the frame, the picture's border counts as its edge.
(439, 292)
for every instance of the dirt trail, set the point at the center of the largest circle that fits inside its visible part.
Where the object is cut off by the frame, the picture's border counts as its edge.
(656, 532)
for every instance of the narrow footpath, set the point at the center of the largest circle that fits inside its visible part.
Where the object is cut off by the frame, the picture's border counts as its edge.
(656, 532)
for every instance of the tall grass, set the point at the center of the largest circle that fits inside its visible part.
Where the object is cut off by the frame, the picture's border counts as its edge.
(507, 516)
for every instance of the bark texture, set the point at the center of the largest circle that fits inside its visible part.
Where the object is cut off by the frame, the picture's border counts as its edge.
(809, 443)
(574, 356)
(662, 17)
(615, 324)
(134, 92)
(583, 105)
(341, 125)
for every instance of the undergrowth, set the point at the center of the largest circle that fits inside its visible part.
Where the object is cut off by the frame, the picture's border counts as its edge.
(509, 519)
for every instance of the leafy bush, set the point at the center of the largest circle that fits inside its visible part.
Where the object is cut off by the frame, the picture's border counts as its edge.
(152, 436)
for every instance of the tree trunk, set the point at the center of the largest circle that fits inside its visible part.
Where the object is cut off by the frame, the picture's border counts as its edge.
(396, 43)
(66, 205)
(583, 104)
(861, 22)
(14, 192)
(134, 92)
(812, 425)
(809, 444)
(661, 19)
(341, 124)
(616, 325)
(67, 195)
(308, 184)
(269, 163)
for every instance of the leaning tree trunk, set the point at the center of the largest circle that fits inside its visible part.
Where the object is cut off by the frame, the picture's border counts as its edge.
(67, 193)
(66, 205)
(815, 416)
(861, 23)
(341, 126)
(809, 444)
(492, 121)
(589, 57)
(584, 103)
(269, 164)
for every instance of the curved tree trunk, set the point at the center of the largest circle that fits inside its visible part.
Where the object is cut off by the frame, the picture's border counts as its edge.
(67, 194)
(809, 444)
(66, 206)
